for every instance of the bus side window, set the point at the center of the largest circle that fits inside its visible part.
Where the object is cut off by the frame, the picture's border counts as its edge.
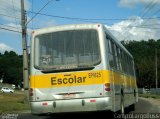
(127, 64)
(115, 56)
(122, 60)
(119, 58)
(124, 65)
(132, 63)
(110, 54)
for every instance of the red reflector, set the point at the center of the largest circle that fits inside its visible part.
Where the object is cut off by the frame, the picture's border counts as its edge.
(107, 89)
(92, 100)
(45, 104)
(31, 94)
(107, 86)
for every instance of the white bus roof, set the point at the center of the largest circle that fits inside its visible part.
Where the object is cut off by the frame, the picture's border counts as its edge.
(65, 27)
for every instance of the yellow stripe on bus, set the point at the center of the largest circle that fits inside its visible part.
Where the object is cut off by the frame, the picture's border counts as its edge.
(79, 78)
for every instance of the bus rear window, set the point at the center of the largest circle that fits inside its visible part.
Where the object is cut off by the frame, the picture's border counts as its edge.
(67, 49)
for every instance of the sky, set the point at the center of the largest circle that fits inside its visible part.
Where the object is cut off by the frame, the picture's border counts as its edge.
(126, 19)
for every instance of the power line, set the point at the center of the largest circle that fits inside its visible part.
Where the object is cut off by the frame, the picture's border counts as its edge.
(87, 19)
(14, 27)
(143, 27)
(8, 16)
(152, 4)
(39, 11)
(14, 14)
(147, 7)
(156, 12)
(9, 26)
(75, 18)
(32, 13)
(72, 18)
(10, 30)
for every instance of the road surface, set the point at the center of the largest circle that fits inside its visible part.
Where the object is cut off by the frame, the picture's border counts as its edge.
(144, 106)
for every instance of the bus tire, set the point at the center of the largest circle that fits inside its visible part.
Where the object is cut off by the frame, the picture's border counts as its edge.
(135, 96)
(132, 107)
(122, 109)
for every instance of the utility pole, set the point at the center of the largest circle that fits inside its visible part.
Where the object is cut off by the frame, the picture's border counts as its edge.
(25, 53)
(156, 67)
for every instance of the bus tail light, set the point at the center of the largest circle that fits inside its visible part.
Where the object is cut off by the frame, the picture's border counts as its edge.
(107, 87)
(31, 92)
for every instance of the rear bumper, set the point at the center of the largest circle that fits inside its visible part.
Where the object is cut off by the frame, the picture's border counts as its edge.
(72, 105)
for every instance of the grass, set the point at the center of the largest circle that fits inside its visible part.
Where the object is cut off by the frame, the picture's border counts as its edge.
(12, 102)
(147, 95)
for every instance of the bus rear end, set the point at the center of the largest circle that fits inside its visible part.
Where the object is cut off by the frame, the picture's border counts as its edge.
(67, 70)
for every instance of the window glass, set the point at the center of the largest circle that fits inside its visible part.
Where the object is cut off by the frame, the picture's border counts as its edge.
(67, 48)
(110, 54)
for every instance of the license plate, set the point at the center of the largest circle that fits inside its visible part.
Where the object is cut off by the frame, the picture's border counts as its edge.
(69, 96)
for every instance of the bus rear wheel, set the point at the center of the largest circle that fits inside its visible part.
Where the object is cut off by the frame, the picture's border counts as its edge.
(122, 109)
(122, 105)
(132, 107)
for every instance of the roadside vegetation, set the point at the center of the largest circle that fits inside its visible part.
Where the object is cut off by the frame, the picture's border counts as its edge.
(147, 95)
(144, 53)
(11, 71)
(13, 102)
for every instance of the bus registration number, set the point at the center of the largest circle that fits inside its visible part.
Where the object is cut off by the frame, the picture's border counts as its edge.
(95, 75)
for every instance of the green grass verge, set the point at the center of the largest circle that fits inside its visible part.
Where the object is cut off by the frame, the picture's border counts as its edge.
(12, 102)
(149, 96)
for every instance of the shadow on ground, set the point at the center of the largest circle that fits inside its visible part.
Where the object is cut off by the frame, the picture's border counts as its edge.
(86, 115)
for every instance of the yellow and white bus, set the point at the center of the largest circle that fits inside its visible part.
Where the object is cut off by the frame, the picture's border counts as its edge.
(80, 67)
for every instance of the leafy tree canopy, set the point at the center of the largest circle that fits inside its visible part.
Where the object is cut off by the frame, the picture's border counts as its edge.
(11, 68)
(145, 53)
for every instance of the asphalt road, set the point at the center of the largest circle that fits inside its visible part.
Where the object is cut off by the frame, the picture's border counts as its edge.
(144, 106)
(147, 106)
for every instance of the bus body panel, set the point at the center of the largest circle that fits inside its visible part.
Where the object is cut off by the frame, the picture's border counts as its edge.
(83, 90)
(74, 105)
(89, 90)
(69, 85)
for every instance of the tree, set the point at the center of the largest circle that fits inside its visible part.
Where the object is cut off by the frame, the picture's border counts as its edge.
(11, 68)
(144, 56)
